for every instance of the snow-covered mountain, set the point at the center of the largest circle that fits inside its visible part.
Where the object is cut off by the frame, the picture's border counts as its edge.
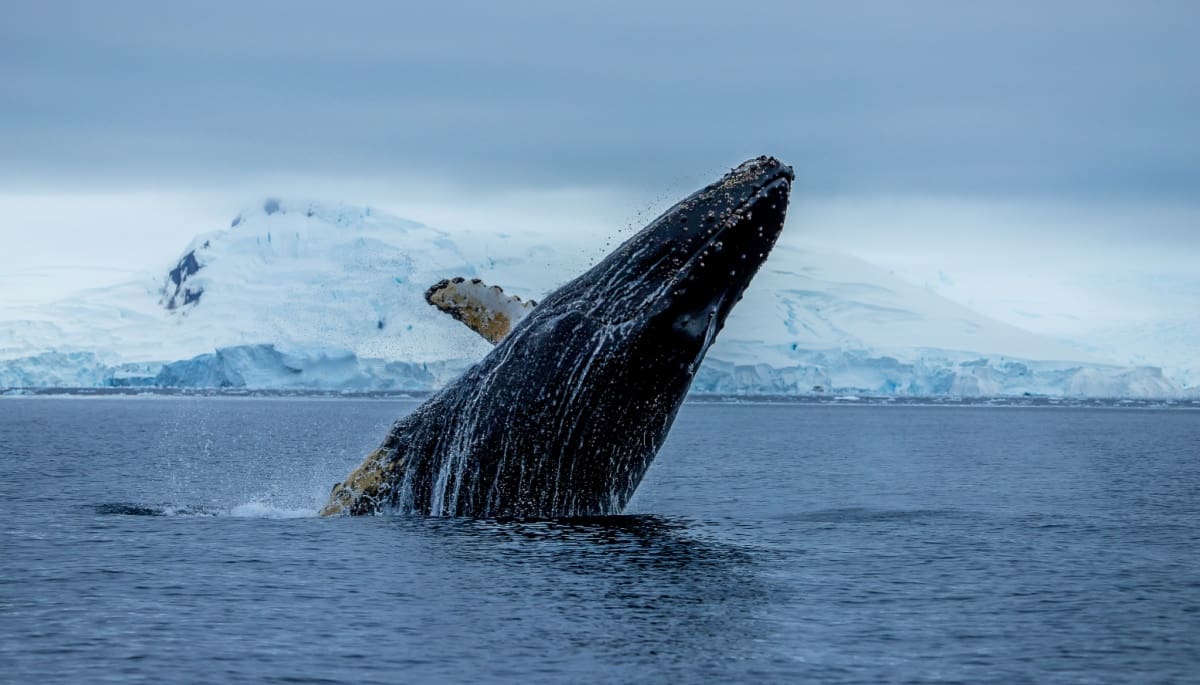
(829, 320)
(306, 277)
(297, 294)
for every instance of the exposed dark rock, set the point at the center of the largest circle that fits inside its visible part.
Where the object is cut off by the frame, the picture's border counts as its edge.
(186, 267)
(177, 292)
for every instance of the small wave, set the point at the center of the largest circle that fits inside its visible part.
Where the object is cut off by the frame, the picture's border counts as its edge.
(131, 509)
(248, 510)
(863, 515)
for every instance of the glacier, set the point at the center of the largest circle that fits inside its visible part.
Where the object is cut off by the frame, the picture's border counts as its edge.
(932, 375)
(303, 295)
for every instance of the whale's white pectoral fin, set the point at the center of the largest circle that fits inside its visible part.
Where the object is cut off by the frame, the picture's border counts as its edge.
(484, 309)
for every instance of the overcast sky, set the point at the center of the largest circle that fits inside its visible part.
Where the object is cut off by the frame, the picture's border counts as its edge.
(923, 133)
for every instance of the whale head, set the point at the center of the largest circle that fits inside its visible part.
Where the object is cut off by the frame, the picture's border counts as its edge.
(669, 288)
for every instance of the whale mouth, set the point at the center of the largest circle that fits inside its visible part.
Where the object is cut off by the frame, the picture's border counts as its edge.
(712, 278)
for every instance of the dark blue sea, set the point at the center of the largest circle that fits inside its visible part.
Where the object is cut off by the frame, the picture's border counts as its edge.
(174, 539)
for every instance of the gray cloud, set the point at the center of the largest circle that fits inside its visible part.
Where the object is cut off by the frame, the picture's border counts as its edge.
(1074, 100)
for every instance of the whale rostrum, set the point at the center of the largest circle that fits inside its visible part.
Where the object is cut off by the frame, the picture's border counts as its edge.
(565, 414)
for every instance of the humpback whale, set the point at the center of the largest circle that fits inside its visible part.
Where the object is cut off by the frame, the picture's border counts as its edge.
(565, 414)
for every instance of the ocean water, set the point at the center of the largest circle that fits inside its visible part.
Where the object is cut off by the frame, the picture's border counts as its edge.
(174, 539)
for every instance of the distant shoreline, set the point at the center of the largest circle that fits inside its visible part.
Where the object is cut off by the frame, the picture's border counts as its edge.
(828, 399)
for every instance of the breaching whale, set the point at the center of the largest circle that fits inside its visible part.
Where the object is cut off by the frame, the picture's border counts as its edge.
(565, 414)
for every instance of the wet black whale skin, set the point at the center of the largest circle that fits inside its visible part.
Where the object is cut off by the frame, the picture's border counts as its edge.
(567, 412)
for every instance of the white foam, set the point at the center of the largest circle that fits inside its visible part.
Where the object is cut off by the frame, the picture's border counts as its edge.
(263, 510)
